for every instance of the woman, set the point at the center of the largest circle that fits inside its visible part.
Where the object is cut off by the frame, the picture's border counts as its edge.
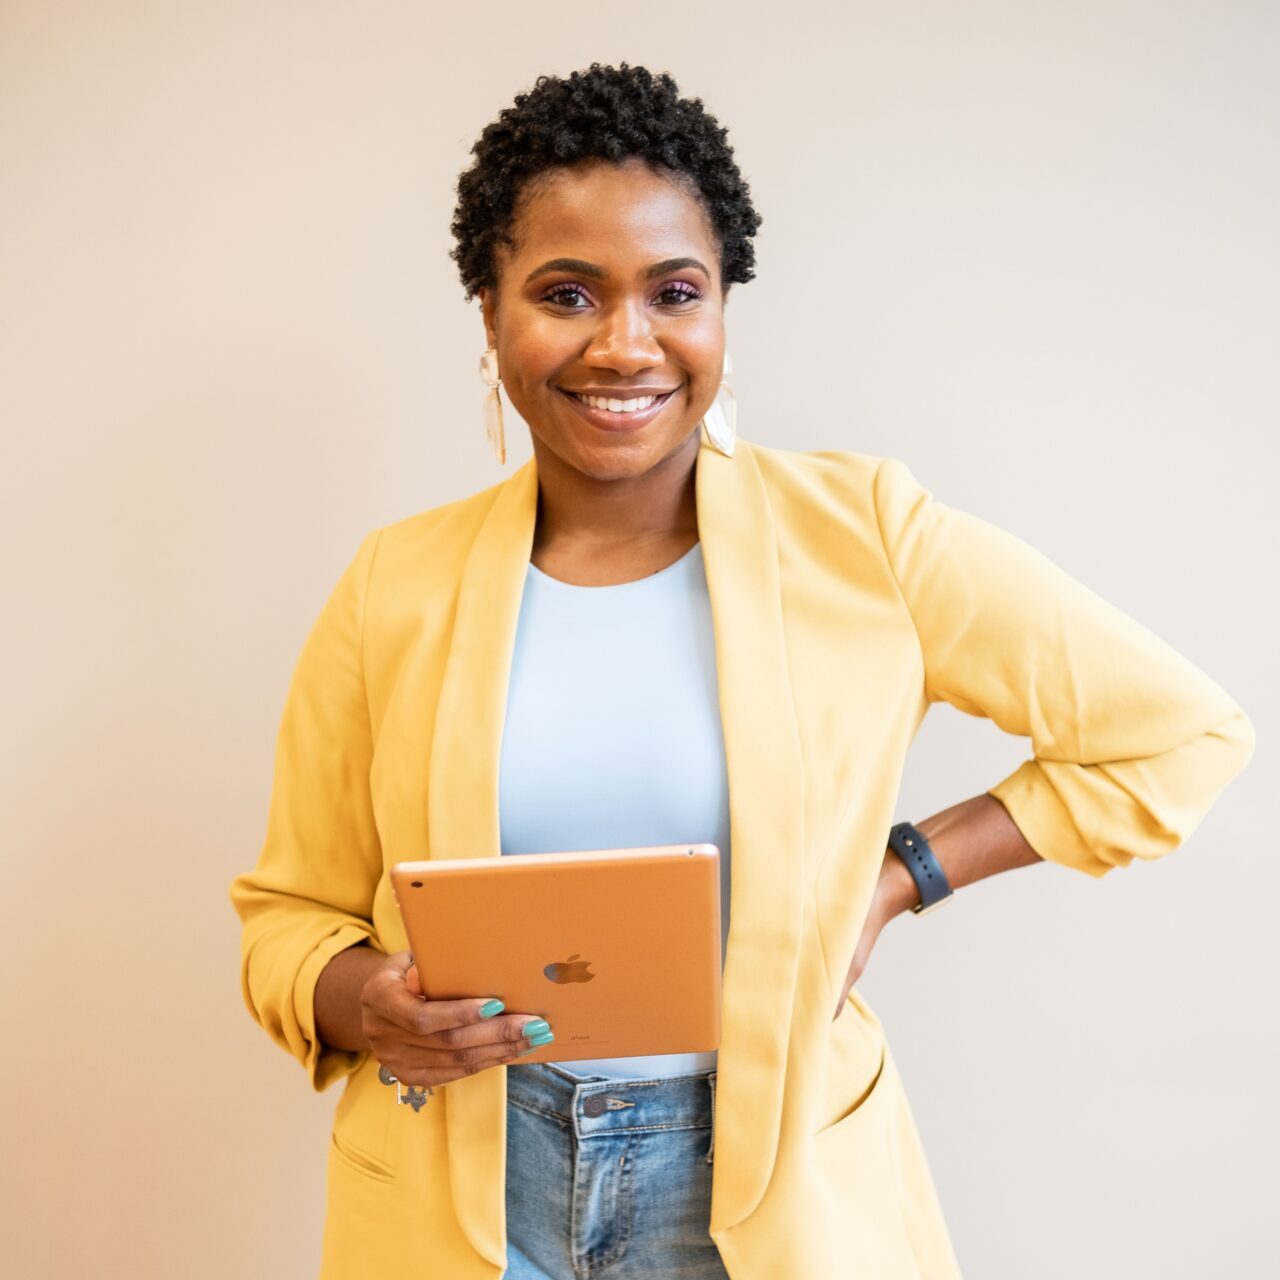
(655, 632)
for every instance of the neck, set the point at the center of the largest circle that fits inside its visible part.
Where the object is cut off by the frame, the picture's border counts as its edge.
(581, 511)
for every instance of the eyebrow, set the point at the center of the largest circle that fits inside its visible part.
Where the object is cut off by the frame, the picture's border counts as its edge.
(580, 267)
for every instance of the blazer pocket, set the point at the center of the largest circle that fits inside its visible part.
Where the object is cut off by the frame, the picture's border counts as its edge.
(853, 1058)
(856, 1168)
(850, 1106)
(361, 1161)
(365, 1135)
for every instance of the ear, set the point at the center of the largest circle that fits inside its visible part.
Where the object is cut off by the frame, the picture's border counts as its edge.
(489, 313)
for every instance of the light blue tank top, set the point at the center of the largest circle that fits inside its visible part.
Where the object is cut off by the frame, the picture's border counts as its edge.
(612, 737)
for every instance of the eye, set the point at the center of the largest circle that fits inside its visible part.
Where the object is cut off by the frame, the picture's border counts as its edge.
(678, 294)
(570, 296)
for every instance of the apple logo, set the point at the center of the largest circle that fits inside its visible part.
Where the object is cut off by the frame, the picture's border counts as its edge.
(572, 970)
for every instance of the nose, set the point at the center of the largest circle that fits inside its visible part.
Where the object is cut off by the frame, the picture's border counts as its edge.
(624, 341)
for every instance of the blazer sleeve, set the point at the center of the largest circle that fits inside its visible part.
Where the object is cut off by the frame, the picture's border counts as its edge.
(311, 894)
(1131, 743)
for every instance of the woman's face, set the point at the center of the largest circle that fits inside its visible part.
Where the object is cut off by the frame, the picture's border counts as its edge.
(611, 293)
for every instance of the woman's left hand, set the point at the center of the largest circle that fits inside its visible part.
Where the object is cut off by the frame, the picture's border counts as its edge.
(895, 892)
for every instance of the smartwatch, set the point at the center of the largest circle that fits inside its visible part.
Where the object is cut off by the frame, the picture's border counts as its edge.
(907, 842)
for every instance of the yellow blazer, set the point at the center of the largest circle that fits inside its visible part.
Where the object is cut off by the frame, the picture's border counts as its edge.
(845, 600)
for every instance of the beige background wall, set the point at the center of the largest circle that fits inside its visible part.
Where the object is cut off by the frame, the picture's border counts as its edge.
(1029, 249)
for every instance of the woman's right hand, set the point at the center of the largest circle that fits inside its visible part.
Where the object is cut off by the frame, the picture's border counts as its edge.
(431, 1042)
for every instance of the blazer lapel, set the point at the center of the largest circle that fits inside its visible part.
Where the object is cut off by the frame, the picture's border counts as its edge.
(766, 831)
(740, 556)
(463, 815)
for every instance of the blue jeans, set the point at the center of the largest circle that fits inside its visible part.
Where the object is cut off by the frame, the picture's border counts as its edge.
(609, 1178)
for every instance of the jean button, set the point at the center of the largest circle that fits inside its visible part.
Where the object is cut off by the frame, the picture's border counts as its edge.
(594, 1105)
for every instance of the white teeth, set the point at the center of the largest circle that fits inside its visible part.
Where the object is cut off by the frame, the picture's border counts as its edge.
(617, 406)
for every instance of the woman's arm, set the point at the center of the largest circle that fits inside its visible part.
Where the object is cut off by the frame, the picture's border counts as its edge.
(1131, 743)
(310, 897)
(338, 1009)
(971, 840)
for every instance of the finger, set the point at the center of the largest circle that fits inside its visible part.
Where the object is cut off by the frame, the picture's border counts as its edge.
(389, 995)
(399, 962)
(507, 1036)
(403, 964)
(505, 1029)
(436, 1067)
(844, 999)
(394, 1002)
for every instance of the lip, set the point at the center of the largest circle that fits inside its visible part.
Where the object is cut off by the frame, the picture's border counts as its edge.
(618, 393)
(606, 419)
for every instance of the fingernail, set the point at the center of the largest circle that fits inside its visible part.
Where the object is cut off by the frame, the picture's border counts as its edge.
(536, 1027)
(492, 1007)
(544, 1037)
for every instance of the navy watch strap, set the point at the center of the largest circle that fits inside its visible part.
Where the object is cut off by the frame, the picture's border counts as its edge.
(907, 842)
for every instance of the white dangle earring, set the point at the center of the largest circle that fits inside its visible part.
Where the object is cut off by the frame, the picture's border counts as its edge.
(493, 404)
(721, 419)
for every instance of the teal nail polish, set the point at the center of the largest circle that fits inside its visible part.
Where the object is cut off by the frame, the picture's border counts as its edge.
(536, 1042)
(492, 1007)
(536, 1027)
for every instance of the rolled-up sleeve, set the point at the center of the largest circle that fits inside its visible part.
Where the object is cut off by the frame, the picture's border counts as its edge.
(1131, 743)
(311, 893)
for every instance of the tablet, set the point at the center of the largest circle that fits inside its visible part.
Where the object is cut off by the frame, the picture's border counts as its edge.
(618, 949)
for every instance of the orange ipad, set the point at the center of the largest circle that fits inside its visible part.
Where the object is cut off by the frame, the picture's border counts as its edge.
(618, 949)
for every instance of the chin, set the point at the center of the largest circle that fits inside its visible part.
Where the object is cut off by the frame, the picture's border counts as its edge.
(618, 464)
(613, 459)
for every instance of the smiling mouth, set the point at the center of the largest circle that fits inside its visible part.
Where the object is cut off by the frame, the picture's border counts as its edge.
(638, 404)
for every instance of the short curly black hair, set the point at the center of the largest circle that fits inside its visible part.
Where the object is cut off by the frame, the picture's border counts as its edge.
(608, 113)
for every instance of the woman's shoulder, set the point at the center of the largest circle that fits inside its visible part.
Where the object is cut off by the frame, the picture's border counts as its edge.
(823, 476)
(813, 463)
